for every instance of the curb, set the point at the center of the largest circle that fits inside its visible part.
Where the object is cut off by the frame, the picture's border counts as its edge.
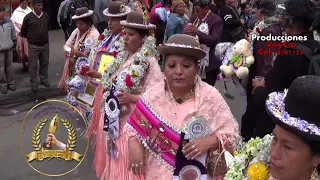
(24, 94)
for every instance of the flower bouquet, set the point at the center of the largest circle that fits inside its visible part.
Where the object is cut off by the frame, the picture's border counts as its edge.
(251, 161)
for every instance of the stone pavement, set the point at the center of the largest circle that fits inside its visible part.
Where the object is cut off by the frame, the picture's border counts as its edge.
(23, 92)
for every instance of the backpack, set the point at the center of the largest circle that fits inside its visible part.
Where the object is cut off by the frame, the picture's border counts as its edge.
(68, 10)
(313, 56)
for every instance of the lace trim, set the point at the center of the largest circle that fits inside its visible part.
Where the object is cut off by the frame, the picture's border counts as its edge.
(138, 25)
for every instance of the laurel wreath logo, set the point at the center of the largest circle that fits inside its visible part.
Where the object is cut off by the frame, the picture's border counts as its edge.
(36, 142)
(72, 136)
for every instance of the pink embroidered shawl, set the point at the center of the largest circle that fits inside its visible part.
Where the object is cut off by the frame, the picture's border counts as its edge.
(102, 163)
(208, 103)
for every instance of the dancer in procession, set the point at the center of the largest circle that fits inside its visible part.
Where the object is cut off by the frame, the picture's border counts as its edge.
(108, 45)
(131, 73)
(292, 152)
(295, 149)
(181, 121)
(79, 43)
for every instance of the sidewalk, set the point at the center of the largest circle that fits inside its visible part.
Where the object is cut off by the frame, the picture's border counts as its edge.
(23, 92)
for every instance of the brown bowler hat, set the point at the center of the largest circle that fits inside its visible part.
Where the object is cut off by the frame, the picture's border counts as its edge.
(82, 13)
(182, 44)
(117, 9)
(138, 20)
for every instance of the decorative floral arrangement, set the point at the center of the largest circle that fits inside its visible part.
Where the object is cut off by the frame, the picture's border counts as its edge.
(251, 161)
(129, 78)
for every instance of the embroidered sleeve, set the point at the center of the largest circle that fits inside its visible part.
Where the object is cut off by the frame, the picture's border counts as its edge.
(69, 41)
(224, 124)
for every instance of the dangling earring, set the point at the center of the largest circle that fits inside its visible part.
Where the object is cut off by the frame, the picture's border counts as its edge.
(195, 80)
(314, 174)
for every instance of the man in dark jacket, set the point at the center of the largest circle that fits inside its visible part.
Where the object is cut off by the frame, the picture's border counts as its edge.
(214, 25)
(265, 11)
(299, 16)
(66, 10)
(233, 26)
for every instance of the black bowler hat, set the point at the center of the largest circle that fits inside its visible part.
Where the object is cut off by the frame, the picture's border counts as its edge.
(297, 109)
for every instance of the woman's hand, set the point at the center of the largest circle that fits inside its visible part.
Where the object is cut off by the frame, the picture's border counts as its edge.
(257, 83)
(136, 157)
(75, 53)
(197, 147)
(125, 97)
(94, 74)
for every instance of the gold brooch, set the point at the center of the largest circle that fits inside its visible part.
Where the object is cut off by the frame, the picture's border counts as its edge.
(198, 42)
(122, 8)
(145, 18)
